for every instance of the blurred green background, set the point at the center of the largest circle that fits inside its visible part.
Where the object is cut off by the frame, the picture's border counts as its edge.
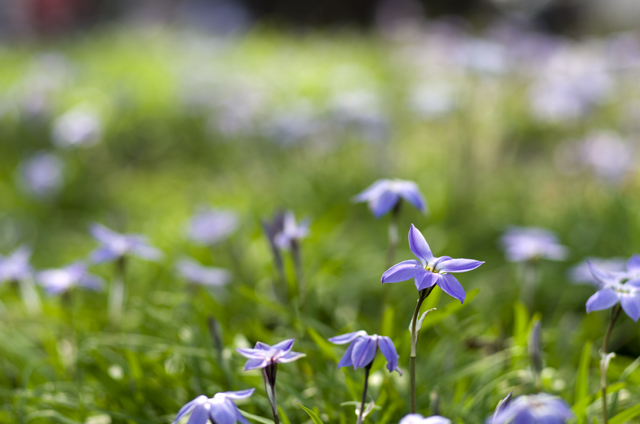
(275, 120)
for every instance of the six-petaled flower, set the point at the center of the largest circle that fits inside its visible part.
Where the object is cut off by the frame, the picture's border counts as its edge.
(384, 195)
(362, 350)
(220, 409)
(114, 246)
(264, 355)
(56, 281)
(430, 270)
(523, 244)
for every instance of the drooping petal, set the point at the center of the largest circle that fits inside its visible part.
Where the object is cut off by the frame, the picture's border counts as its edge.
(346, 338)
(189, 406)
(602, 299)
(290, 357)
(251, 353)
(284, 345)
(364, 351)
(240, 394)
(346, 360)
(389, 352)
(458, 265)
(631, 305)
(383, 203)
(419, 246)
(451, 286)
(256, 363)
(425, 279)
(200, 414)
(633, 264)
(402, 271)
(223, 412)
(410, 192)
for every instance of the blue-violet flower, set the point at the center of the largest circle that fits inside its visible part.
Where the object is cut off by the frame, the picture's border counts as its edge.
(540, 408)
(60, 280)
(430, 270)
(115, 246)
(612, 291)
(15, 267)
(523, 244)
(220, 408)
(363, 349)
(383, 195)
(419, 419)
(264, 355)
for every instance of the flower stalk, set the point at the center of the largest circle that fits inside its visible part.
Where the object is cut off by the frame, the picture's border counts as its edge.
(367, 369)
(615, 312)
(415, 327)
(117, 291)
(269, 374)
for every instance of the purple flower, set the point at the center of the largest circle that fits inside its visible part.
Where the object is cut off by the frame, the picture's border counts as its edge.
(264, 355)
(430, 270)
(291, 232)
(581, 273)
(115, 246)
(55, 281)
(78, 127)
(41, 175)
(523, 244)
(15, 267)
(220, 409)
(419, 419)
(612, 290)
(199, 274)
(533, 409)
(383, 195)
(212, 226)
(362, 350)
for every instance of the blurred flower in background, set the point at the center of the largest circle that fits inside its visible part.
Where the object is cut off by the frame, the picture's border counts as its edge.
(195, 272)
(292, 232)
(211, 226)
(522, 244)
(42, 175)
(15, 267)
(114, 246)
(219, 409)
(419, 419)
(384, 195)
(581, 273)
(539, 408)
(78, 127)
(56, 281)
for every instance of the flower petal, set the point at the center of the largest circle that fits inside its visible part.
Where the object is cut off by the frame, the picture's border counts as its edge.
(290, 357)
(150, 253)
(284, 345)
(425, 279)
(103, 234)
(91, 282)
(436, 419)
(372, 191)
(389, 352)
(383, 203)
(364, 350)
(419, 246)
(189, 406)
(251, 353)
(600, 276)
(402, 271)
(346, 338)
(103, 254)
(200, 414)
(346, 360)
(262, 346)
(240, 394)
(458, 265)
(602, 299)
(410, 192)
(631, 305)
(451, 286)
(223, 412)
(633, 264)
(256, 363)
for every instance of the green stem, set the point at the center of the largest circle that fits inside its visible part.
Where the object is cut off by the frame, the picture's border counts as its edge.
(423, 294)
(117, 292)
(364, 392)
(615, 312)
(269, 374)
